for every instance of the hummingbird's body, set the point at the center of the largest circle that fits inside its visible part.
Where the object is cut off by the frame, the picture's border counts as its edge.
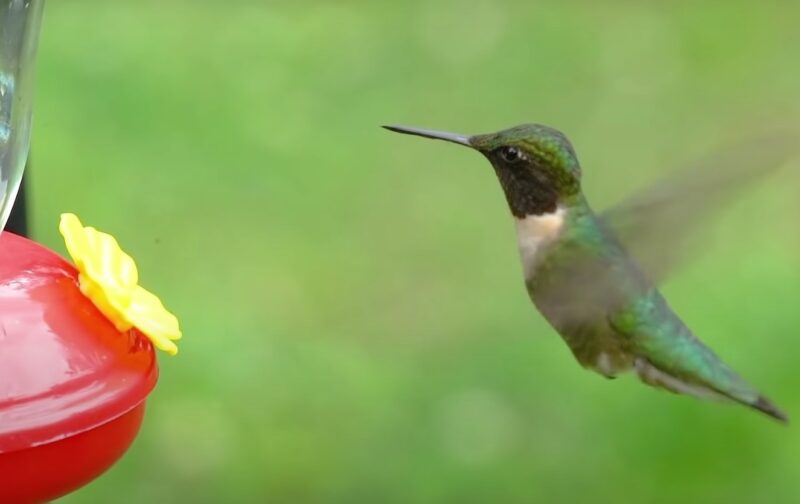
(637, 329)
(550, 246)
(582, 280)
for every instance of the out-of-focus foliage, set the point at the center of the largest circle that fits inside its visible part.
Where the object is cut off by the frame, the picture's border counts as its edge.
(356, 328)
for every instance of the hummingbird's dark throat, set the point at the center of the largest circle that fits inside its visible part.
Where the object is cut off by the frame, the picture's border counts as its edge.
(528, 192)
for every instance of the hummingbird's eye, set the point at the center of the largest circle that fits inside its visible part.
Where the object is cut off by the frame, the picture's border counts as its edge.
(510, 154)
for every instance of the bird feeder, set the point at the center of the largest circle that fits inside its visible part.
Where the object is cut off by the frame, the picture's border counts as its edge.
(77, 358)
(72, 387)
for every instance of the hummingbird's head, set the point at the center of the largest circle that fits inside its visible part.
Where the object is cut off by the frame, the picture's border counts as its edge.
(535, 164)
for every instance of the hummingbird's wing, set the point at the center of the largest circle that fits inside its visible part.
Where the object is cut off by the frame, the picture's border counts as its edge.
(636, 244)
(657, 224)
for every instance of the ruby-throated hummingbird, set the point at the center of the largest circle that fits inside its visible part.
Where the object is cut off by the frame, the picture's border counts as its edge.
(589, 276)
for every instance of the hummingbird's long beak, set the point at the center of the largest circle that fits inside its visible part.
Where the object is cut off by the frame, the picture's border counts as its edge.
(439, 135)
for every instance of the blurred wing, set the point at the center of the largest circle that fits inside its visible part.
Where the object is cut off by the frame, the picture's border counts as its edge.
(656, 228)
(657, 225)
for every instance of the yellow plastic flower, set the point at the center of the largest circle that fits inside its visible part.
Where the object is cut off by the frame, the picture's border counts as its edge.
(109, 278)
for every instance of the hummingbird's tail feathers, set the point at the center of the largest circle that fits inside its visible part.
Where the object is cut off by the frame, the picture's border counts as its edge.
(763, 405)
(652, 375)
(655, 377)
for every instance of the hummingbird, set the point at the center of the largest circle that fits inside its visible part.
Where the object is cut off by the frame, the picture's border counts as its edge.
(594, 277)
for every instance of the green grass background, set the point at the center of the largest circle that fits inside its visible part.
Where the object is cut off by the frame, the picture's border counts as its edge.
(356, 328)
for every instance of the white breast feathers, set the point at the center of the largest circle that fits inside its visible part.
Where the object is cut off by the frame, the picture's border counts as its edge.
(534, 232)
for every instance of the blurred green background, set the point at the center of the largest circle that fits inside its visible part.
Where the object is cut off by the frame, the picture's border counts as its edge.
(356, 328)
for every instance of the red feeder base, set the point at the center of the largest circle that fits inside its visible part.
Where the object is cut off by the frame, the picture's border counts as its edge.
(77, 460)
(72, 387)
